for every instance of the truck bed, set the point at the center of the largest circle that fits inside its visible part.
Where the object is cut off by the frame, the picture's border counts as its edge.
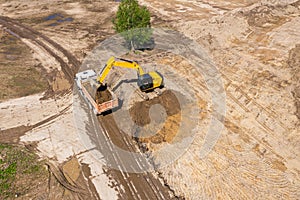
(99, 101)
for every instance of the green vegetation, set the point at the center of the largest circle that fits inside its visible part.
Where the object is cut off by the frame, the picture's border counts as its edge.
(133, 22)
(19, 170)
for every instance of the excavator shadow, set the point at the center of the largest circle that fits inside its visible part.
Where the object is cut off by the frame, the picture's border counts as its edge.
(124, 81)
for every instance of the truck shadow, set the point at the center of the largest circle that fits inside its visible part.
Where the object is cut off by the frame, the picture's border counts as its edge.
(114, 109)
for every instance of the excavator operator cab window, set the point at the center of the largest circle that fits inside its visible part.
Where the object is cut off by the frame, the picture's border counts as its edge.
(145, 82)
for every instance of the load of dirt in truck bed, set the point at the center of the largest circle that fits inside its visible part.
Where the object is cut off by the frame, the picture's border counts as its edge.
(103, 96)
(140, 115)
(100, 95)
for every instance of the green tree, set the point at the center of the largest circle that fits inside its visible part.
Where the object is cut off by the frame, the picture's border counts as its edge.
(133, 22)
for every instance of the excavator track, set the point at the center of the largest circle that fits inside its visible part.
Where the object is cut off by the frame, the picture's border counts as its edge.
(143, 95)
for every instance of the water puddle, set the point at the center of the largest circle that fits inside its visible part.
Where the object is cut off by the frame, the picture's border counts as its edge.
(54, 16)
(58, 18)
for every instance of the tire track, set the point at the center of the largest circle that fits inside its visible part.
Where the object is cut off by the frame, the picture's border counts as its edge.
(268, 128)
(137, 186)
(21, 31)
(69, 68)
(12, 135)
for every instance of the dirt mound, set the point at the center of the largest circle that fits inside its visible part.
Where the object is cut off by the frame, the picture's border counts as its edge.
(140, 111)
(140, 115)
(265, 15)
(103, 96)
(294, 58)
(294, 63)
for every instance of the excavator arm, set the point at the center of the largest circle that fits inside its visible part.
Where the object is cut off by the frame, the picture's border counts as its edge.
(112, 62)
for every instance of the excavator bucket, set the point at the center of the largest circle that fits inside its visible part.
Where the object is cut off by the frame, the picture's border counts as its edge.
(98, 96)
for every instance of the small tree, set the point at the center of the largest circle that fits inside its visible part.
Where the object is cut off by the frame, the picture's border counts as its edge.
(133, 22)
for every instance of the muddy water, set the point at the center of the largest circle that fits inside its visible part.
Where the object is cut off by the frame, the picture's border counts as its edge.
(58, 18)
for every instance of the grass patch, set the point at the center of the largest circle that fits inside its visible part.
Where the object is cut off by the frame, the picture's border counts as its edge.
(20, 171)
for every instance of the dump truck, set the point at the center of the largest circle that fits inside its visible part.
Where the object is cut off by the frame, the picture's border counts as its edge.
(99, 101)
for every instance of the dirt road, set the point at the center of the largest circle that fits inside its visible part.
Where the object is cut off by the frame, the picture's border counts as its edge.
(40, 41)
(136, 185)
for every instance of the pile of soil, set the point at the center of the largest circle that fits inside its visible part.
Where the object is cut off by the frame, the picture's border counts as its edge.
(140, 111)
(103, 96)
(294, 63)
(140, 115)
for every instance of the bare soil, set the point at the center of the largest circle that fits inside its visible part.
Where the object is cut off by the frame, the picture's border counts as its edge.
(147, 185)
(20, 73)
(294, 63)
(140, 115)
(253, 44)
(103, 96)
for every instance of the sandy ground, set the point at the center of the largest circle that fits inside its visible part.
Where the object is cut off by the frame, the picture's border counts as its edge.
(257, 154)
(253, 44)
(42, 115)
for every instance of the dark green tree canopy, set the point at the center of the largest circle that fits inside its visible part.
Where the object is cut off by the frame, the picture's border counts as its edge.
(133, 22)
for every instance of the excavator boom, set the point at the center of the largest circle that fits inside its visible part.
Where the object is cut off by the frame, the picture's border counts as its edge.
(106, 70)
(112, 62)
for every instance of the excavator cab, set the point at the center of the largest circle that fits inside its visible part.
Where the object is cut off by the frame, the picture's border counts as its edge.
(145, 82)
(150, 81)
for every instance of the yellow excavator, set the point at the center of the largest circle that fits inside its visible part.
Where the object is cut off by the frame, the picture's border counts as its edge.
(146, 81)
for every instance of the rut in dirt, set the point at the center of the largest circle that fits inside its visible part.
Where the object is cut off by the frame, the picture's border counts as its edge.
(20, 31)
